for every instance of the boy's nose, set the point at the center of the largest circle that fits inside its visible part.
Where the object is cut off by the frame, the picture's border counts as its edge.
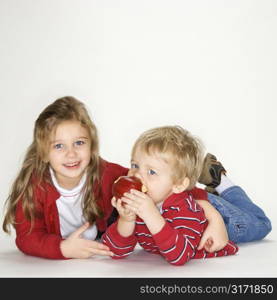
(139, 176)
(134, 172)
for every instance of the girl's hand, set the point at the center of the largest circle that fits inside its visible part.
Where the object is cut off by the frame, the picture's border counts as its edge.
(77, 247)
(125, 213)
(215, 237)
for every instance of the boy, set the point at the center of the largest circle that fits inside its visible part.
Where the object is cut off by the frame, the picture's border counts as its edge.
(166, 220)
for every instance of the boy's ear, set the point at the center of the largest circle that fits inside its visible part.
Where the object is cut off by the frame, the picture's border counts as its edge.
(179, 188)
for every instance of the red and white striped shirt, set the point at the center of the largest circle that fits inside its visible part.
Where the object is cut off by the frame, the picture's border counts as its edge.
(177, 241)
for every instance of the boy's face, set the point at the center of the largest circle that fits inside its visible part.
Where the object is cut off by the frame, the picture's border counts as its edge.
(69, 153)
(154, 172)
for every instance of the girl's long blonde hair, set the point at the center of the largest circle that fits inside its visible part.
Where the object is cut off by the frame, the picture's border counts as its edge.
(35, 164)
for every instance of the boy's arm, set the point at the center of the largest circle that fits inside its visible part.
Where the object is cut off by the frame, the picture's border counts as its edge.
(215, 237)
(179, 237)
(120, 237)
(154, 221)
(120, 245)
(125, 228)
(176, 232)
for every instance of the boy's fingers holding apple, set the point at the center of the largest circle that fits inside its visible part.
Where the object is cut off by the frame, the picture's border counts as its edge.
(113, 201)
(138, 193)
(120, 203)
(117, 203)
(125, 200)
(132, 208)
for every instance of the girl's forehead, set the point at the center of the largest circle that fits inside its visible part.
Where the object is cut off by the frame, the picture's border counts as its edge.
(69, 129)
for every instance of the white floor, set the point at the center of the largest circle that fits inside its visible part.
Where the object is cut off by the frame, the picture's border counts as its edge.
(256, 259)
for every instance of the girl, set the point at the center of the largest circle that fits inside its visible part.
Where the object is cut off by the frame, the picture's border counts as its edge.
(60, 201)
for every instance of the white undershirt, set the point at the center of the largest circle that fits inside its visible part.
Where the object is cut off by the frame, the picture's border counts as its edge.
(70, 209)
(160, 207)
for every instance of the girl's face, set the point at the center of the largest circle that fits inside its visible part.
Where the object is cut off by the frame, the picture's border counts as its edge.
(69, 153)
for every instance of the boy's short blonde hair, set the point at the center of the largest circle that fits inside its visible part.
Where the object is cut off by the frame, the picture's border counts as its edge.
(177, 147)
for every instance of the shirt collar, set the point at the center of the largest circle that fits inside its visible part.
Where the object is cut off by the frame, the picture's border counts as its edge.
(65, 192)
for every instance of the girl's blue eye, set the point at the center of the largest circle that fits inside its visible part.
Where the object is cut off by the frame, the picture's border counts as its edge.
(151, 172)
(134, 166)
(58, 146)
(79, 143)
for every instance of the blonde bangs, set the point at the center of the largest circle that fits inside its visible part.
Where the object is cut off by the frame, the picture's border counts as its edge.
(177, 147)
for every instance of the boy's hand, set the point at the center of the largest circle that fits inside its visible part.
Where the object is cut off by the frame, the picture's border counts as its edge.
(126, 221)
(140, 204)
(77, 247)
(125, 213)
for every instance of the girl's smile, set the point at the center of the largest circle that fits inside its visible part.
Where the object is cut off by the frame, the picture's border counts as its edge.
(73, 165)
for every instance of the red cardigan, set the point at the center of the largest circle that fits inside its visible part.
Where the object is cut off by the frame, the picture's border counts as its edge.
(177, 241)
(45, 238)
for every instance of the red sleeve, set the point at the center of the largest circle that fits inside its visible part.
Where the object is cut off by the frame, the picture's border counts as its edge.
(38, 242)
(229, 249)
(198, 194)
(119, 245)
(180, 236)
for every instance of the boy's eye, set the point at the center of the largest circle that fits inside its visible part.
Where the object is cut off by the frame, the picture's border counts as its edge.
(79, 143)
(134, 166)
(152, 172)
(58, 146)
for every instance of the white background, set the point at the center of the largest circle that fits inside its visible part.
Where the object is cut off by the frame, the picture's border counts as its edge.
(209, 66)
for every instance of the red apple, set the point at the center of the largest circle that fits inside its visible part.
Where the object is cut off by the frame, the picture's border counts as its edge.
(124, 184)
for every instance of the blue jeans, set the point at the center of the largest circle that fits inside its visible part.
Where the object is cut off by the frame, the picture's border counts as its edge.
(245, 221)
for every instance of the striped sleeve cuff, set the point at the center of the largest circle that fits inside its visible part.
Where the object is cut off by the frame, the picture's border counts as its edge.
(119, 239)
(165, 237)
